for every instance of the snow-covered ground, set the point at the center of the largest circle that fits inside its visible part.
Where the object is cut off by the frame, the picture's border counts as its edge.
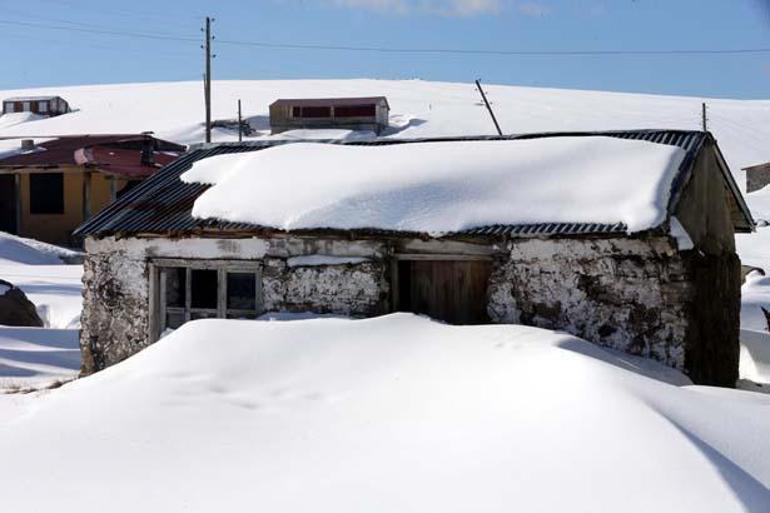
(174, 110)
(396, 413)
(38, 357)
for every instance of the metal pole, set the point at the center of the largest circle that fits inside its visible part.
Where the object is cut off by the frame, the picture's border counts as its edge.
(240, 123)
(704, 119)
(207, 79)
(489, 108)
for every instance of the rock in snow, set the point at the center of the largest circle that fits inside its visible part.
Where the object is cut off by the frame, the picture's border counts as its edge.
(15, 308)
(390, 414)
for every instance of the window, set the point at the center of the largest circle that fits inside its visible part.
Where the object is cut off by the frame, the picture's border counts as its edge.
(26, 106)
(311, 112)
(354, 111)
(42, 107)
(46, 193)
(201, 290)
(9, 107)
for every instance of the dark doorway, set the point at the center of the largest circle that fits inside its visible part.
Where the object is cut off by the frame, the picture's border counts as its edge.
(7, 204)
(454, 291)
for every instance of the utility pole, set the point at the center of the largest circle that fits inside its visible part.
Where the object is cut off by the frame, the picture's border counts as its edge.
(240, 123)
(704, 117)
(489, 108)
(207, 77)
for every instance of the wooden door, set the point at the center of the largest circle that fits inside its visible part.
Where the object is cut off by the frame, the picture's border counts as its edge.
(453, 291)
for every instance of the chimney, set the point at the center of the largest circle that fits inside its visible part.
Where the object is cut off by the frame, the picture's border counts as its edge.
(27, 144)
(148, 151)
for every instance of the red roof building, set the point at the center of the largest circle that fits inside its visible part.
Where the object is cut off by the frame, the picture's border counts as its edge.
(49, 186)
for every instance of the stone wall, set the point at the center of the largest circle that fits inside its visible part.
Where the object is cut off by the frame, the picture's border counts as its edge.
(324, 276)
(628, 294)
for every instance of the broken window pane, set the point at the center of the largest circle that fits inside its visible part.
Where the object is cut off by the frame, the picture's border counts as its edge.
(175, 286)
(203, 288)
(241, 291)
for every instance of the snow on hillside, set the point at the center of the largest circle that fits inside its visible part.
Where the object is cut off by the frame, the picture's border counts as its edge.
(396, 413)
(442, 187)
(174, 110)
(39, 269)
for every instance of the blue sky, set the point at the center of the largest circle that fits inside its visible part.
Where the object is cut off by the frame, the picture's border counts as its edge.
(58, 42)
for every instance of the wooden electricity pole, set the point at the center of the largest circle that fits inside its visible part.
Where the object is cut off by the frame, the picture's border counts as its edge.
(489, 108)
(207, 78)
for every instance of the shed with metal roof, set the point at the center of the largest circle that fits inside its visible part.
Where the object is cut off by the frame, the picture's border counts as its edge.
(670, 292)
(360, 113)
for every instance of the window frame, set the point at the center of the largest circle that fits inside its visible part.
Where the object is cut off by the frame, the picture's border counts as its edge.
(159, 309)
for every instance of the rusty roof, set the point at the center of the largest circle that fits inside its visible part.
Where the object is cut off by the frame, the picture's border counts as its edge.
(114, 154)
(162, 204)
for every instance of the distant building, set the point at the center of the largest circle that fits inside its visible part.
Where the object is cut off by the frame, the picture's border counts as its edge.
(347, 113)
(42, 105)
(757, 176)
(670, 292)
(48, 189)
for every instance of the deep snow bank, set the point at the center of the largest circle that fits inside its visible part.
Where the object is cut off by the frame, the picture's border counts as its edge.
(389, 414)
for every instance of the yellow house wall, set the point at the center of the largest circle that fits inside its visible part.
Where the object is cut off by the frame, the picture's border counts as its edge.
(57, 228)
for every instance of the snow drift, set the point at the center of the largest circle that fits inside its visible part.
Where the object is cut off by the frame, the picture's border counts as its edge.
(382, 415)
(440, 187)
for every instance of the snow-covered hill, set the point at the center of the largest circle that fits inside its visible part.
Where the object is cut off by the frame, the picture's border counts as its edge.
(396, 413)
(174, 110)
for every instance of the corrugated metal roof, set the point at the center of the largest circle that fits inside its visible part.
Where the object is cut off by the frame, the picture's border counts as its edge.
(163, 203)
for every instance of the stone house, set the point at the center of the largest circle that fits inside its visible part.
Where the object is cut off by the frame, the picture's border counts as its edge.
(670, 292)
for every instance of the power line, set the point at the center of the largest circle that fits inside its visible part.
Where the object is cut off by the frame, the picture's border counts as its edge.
(145, 35)
(460, 51)
(397, 50)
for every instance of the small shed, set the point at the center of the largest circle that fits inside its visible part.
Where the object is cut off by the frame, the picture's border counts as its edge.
(368, 113)
(757, 176)
(42, 105)
(625, 239)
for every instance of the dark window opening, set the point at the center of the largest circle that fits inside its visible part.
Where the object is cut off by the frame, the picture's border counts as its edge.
(354, 111)
(203, 288)
(175, 286)
(241, 291)
(174, 319)
(316, 112)
(46, 193)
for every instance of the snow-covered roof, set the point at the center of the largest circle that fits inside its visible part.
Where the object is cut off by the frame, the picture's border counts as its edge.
(30, 98)
(441, 187)
(542, 183)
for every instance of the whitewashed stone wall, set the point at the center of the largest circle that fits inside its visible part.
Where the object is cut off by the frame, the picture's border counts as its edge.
(332, 276)
(632, 295)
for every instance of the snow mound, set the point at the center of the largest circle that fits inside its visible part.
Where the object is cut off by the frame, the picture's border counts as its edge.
(32, 252)
(755, 356)
(380, 415)
(440, 187)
